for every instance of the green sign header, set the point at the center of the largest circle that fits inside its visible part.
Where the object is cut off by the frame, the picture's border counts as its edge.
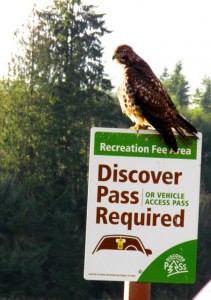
(141, 145)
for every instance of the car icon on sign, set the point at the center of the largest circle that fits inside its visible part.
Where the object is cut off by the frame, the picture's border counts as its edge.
(121, 243)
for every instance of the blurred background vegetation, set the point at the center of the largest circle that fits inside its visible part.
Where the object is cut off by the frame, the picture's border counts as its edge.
(56, 90)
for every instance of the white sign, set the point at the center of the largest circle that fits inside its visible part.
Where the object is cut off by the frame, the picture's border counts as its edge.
(142, 213)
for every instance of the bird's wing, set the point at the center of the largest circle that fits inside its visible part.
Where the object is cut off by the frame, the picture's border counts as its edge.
(149, 93)
(153, 102)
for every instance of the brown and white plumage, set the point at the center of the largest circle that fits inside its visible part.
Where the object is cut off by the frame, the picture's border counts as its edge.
(145, 101)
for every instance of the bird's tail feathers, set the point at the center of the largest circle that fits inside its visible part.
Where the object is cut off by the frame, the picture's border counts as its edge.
(163, 129)
(184, 123)
(168, 137)
(184, 126)
(183, 135)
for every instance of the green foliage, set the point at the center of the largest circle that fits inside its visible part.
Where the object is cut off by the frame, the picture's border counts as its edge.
(177, 85)
(202, 97)
(197, 111)
(56, 92)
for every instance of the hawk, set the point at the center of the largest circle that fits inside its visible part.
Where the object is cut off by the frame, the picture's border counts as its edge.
(145, 101)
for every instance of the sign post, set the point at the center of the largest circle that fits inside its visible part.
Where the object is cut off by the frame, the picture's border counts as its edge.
(142, 212)
(137, 291)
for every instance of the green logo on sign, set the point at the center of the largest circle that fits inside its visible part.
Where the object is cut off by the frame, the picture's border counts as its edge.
(176, 265)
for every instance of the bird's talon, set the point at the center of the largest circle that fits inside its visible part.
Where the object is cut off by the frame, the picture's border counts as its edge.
(139, 126)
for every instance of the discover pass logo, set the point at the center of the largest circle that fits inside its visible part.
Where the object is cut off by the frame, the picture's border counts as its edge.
(175, 264)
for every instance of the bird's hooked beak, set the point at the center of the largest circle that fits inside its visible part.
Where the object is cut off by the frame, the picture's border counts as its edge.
(114, 57)
(119, 57)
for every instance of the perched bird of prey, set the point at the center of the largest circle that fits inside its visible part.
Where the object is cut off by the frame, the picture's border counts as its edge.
(145, 101)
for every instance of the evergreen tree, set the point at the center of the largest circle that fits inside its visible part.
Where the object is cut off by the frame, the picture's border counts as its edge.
(202, 97)
(177, 85)
(165, 75)
(206, 96)
(56, 92)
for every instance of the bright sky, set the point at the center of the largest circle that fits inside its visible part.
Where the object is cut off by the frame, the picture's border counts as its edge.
(13, 13)
(161, 31)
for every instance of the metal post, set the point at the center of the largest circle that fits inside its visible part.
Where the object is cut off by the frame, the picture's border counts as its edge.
(137, 290)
